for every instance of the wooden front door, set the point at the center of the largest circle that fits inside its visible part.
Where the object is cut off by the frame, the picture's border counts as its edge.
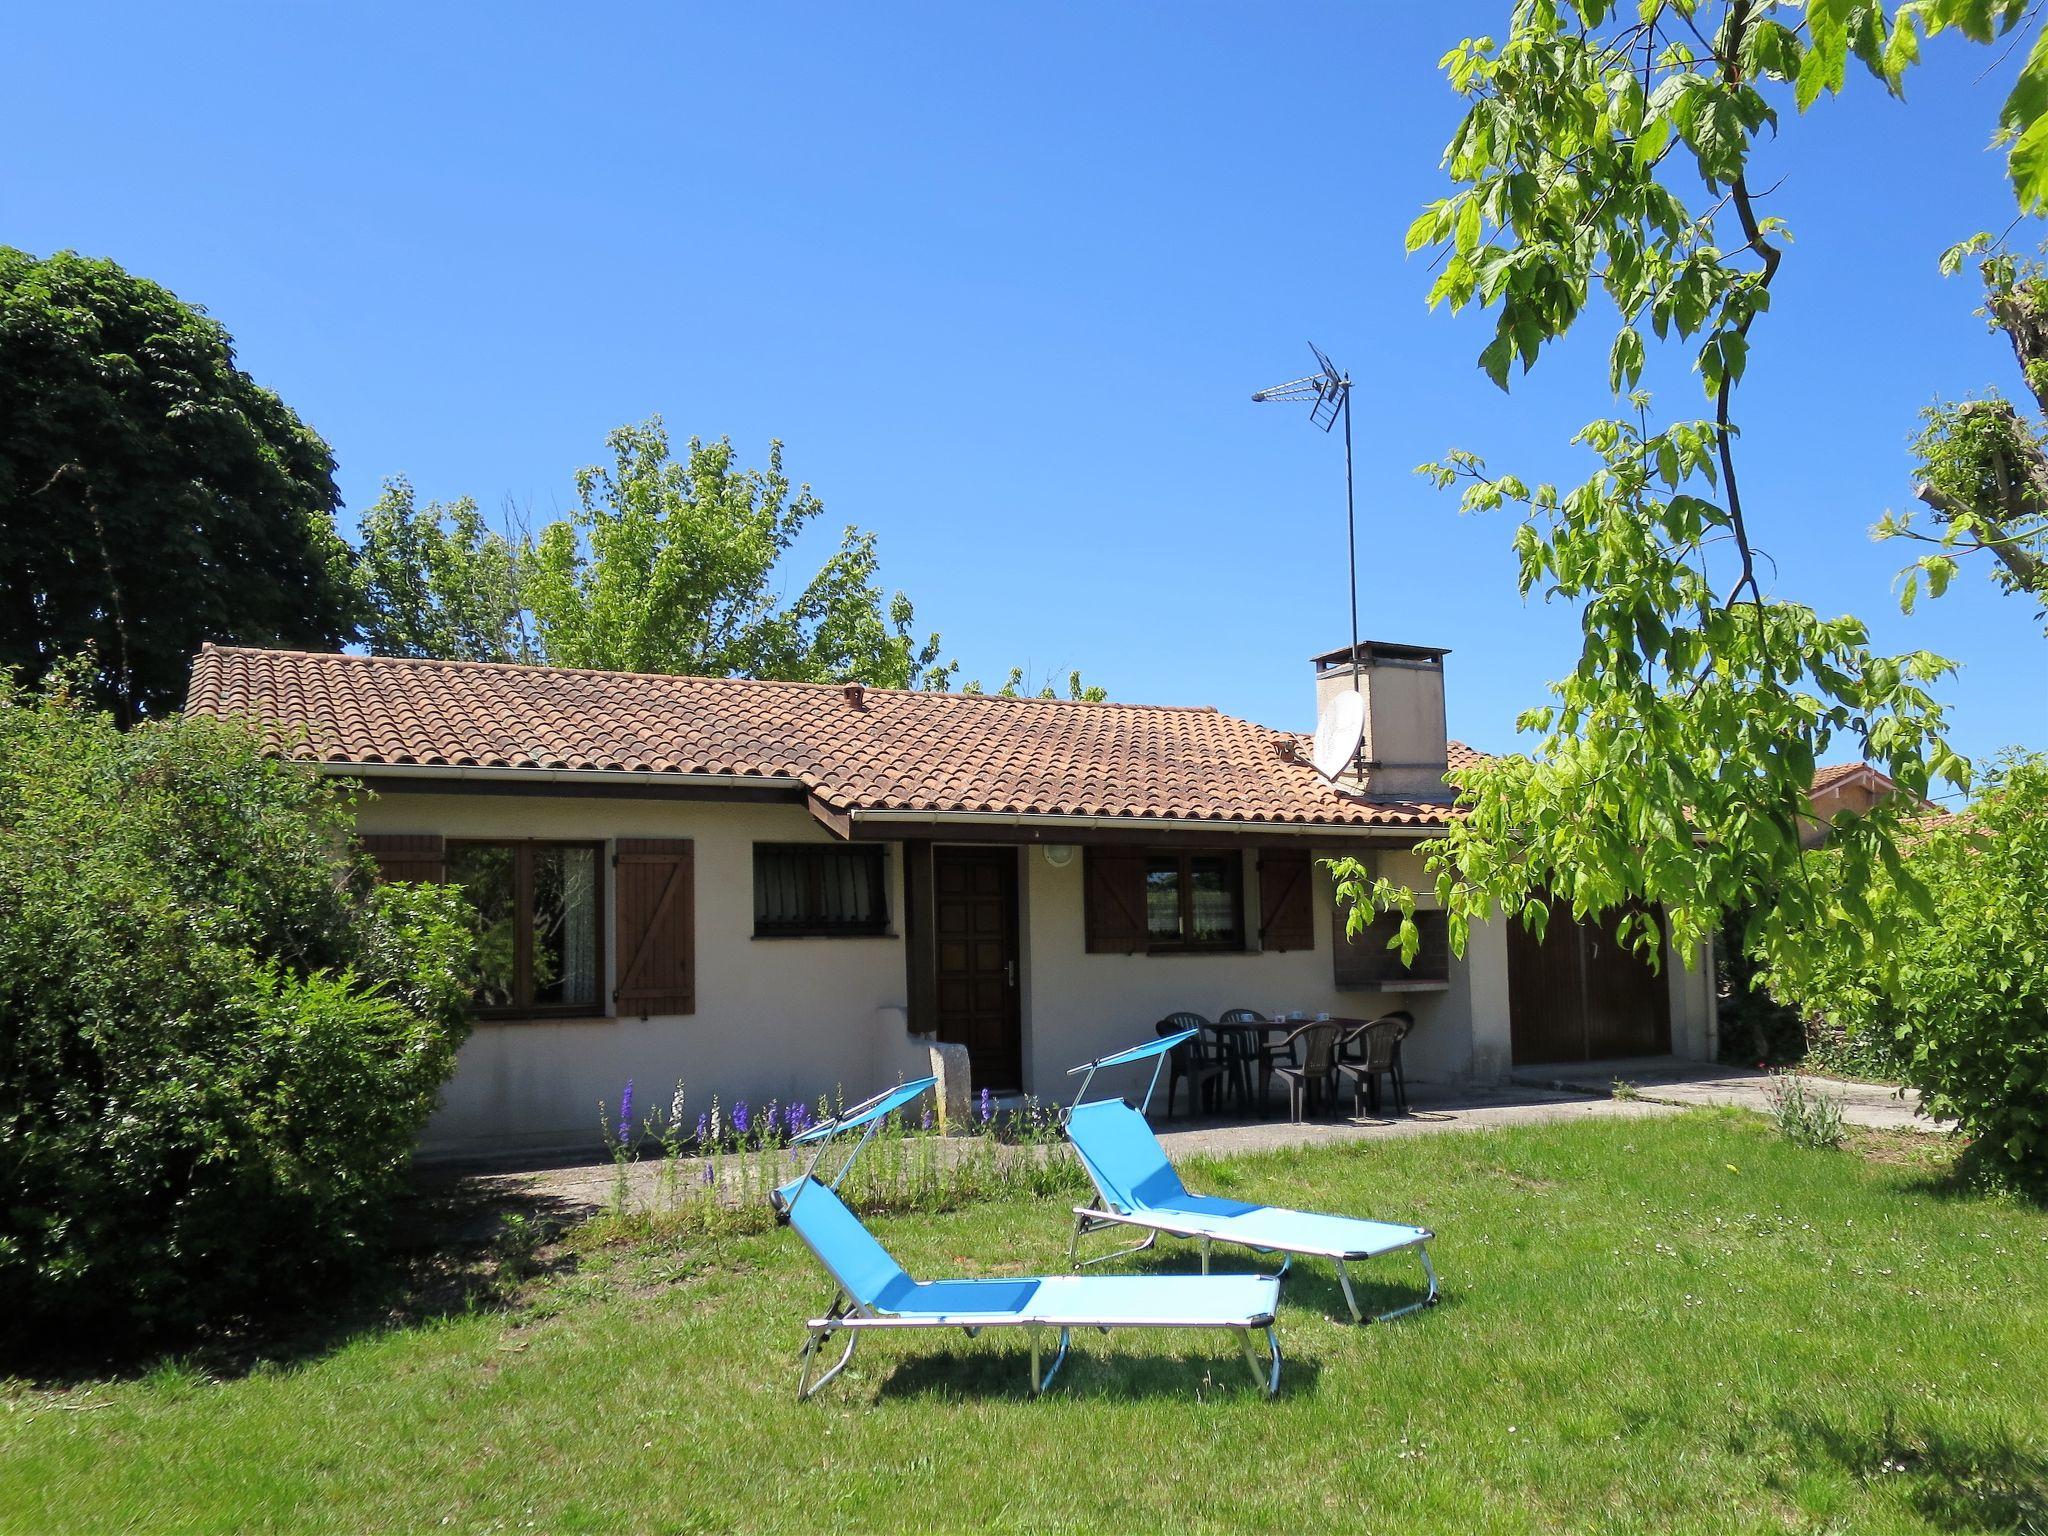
(1577, 994)
(974, 931)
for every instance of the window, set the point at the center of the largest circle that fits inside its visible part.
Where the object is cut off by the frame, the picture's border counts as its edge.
(819, 890)
(538, 925)
(1367, 964)
(1194, 901)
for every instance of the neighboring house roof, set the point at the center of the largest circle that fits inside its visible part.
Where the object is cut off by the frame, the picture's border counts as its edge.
(855, 751)
(1835, 775)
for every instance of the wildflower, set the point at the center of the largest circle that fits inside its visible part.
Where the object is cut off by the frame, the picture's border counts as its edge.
(740, 1117)
(988, 1106)
(925, 1121)
(703, 1129)
(626, 1111)
(709, 1176)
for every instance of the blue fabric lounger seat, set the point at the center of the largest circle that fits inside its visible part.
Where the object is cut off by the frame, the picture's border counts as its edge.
(875, 1292)
(1137, 1187)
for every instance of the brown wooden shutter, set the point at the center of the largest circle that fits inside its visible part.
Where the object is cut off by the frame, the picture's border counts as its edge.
(1114, 899)
(657, 927)
(1287, 917)
(421, 856)
(1365, 962)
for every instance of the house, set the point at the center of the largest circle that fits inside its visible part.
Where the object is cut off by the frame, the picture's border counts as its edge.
(771, 889)
(1851, 789)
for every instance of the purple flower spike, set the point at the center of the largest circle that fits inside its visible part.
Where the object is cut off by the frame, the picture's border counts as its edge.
(626, 1111)
(703, 1129)
(709, 1176)
(739, 1117)
(925, 1121)
(988, 1106)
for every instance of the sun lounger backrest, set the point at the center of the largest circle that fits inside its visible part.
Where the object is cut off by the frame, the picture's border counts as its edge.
(1122, 1155)
(861, 1265)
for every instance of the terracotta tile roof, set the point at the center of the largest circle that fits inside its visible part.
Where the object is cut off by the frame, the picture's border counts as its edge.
(892, 751)
(1462, 756)
(1833, 773)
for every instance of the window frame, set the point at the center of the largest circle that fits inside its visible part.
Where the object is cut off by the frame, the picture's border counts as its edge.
(812, 926)
(1187, 944)
(523, 1006)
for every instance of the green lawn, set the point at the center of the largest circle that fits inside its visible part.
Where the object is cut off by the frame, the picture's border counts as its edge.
(1672, 1324)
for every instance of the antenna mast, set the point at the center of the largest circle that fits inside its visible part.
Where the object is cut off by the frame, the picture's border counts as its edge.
(1330, 390)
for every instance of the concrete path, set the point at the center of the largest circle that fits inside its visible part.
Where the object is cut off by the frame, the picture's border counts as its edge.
(1670, 1081)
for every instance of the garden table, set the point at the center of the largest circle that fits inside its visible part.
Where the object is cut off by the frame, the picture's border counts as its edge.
(1251, 1034)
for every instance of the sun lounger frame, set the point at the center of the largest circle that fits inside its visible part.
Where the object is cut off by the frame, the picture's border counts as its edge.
(1108, 1213)
(853, 1316)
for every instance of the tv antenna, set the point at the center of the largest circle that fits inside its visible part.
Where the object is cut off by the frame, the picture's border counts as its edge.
(1329, 391)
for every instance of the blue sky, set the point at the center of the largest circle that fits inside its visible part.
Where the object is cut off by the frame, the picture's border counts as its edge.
(1002, 279)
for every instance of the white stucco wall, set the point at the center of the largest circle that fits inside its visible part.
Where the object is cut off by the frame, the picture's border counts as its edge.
(775, 1017)
(778, 1018)
(1078, 1006)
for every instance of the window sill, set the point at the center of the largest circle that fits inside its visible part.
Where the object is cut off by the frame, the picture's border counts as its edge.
(1196, 951)
(576, 1016)
(826, 933)
(1393, 986)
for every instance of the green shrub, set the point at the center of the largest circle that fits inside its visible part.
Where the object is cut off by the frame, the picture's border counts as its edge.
(1955, 973)
(218, 1041)
(1805, 1113)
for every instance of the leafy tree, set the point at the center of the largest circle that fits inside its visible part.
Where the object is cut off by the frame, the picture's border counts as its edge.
(1609, 152)
(438, 581)
(218, 1042)
(1982, 469)
(668, 565)
(1958, 996)
(152, 495)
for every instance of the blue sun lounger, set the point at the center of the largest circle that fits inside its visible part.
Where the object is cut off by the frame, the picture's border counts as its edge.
(875, 1292)
(1137, 1187)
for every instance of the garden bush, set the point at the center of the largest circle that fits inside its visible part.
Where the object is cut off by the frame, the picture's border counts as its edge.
(1952, 983)
(218, 1039)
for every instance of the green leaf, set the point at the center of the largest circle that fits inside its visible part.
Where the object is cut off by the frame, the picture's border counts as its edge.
(1424, 230)
(1495, 359)
(1827, 56)
(1467, 229)
(2022, 115)
(1902, 52)
(1625, 359)
(2027, 165)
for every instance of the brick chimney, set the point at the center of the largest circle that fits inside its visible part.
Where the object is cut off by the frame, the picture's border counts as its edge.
(1402, 756)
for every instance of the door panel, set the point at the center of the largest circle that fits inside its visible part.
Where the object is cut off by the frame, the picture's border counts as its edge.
(1628, 1005)
(1546, 992)
(974, 921)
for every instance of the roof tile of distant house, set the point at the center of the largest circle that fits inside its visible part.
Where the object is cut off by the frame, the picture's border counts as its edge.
(853, 750)
(1834, 773)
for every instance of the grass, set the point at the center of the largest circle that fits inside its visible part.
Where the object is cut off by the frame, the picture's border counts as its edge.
(1681, 1323)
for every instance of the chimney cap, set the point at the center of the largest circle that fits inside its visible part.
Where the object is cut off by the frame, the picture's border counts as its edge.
(1370, 651)
(856, 695)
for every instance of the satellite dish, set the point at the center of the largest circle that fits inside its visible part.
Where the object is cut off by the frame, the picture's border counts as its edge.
(1338, 734)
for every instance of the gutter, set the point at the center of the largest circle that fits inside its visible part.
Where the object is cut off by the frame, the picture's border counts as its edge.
(640, 778)
(845, 824)
(1054, 823)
